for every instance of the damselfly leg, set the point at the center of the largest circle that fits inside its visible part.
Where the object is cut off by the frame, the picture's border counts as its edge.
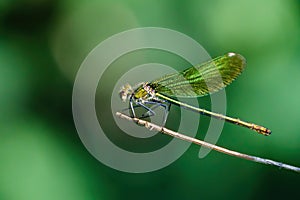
(149, 109)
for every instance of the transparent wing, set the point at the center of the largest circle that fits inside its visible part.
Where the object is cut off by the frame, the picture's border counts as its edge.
(202, 79)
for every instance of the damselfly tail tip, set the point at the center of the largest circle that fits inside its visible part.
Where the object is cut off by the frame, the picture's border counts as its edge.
(268, 132)
(264, 131)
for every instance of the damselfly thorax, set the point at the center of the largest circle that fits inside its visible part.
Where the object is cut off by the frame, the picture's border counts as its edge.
(141, 93)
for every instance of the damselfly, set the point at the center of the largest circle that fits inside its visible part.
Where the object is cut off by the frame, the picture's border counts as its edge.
(196, 81)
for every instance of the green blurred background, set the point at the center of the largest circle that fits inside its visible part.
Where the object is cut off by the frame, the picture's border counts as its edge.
(42, 44)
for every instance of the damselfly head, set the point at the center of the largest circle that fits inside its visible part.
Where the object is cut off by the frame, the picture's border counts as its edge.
(125, 92)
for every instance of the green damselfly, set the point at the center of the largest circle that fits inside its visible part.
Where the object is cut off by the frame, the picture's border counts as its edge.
(197, 81)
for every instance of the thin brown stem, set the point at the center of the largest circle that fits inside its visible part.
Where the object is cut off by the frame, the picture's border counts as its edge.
(166, 131)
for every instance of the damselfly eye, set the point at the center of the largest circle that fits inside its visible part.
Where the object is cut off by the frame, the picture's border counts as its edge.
(123, 96)
(125, 92)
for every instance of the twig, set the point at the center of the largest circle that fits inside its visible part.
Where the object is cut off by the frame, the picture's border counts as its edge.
(166, 131)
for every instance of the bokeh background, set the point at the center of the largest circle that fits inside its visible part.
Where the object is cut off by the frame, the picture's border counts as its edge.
(42, 44)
